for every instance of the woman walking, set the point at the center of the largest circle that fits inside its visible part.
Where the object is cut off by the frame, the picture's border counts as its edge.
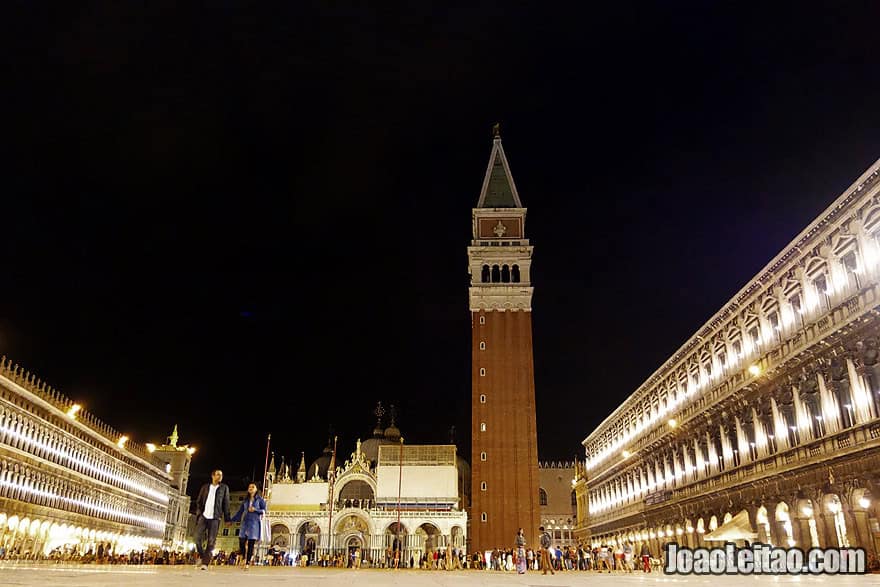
(520, 552)
(252, 508)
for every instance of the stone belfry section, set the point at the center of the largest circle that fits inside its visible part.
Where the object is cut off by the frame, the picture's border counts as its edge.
(504, 470)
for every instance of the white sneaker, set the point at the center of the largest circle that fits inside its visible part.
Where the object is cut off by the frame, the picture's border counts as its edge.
(204, 567)
(246, 567)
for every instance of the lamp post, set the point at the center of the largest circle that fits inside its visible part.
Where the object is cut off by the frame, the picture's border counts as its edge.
(399, 486)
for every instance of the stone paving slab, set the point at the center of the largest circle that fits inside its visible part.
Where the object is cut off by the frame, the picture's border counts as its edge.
(14, 575)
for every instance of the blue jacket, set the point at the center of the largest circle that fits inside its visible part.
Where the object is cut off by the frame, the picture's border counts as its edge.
(250, 526)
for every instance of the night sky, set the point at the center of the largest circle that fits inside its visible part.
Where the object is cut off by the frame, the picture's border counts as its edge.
(252, 218)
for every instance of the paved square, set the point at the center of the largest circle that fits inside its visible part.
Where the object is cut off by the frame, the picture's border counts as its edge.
(148, 576)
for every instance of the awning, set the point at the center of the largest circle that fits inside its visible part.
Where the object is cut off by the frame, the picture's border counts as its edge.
(738, 528)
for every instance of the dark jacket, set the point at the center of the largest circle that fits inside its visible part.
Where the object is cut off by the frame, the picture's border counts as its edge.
(221, 501)
(546, 541)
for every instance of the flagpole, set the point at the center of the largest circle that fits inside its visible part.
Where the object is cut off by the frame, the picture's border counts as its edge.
(399, 485)
(331, 477)
(266, 465)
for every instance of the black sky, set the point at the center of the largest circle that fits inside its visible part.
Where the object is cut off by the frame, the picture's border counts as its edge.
(246, 218)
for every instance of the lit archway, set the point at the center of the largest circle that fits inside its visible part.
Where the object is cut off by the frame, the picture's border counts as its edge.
(832, 505)
(783, 520)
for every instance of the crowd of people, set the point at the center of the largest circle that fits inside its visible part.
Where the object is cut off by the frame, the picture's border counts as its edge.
(213, 506)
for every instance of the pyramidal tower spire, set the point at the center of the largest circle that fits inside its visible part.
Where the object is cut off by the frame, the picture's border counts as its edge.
(498, 190)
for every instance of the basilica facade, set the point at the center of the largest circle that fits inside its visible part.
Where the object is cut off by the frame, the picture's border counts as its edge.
(387, 497)
(765, 424)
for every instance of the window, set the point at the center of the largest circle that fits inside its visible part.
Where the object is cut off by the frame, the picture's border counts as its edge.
(237, 530)
(482, 371)
(821, 285)
(574, 498)
(483, 399)
(483, 517)
(482, 319)
(482, 426)
(753, 335)
(483, 486)
(542, 496)
(482, 456)
(226, 531)
(795, 302)
(482, 345)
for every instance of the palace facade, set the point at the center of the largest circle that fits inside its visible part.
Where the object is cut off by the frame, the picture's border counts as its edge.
(768, 414)
(557, 501)
(72, 483)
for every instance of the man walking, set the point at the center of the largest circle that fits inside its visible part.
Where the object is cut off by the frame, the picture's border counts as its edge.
(546, 557)
(212, 503)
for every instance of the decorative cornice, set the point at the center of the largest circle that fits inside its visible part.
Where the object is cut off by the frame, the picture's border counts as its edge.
(838, 211)
(500, 298)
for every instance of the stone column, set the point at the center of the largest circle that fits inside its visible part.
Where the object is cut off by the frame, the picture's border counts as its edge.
(777, 535)
(801, 540)
(753, 518)
(825, 521)
(853, 532)
(863, 530)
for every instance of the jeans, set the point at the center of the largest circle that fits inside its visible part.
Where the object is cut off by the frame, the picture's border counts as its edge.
(206, 529)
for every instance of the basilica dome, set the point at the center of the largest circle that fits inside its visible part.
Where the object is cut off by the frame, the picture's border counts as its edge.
(322, 463)
(392, 433)
(370, 447)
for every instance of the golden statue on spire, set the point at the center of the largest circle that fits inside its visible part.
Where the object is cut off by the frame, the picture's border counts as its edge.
(496, 130)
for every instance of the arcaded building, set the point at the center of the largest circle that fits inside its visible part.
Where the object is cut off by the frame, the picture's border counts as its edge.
(768, 413)
(70, 483)
(504, 454)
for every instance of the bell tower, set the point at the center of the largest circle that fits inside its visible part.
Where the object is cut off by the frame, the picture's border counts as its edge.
(504, 454)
